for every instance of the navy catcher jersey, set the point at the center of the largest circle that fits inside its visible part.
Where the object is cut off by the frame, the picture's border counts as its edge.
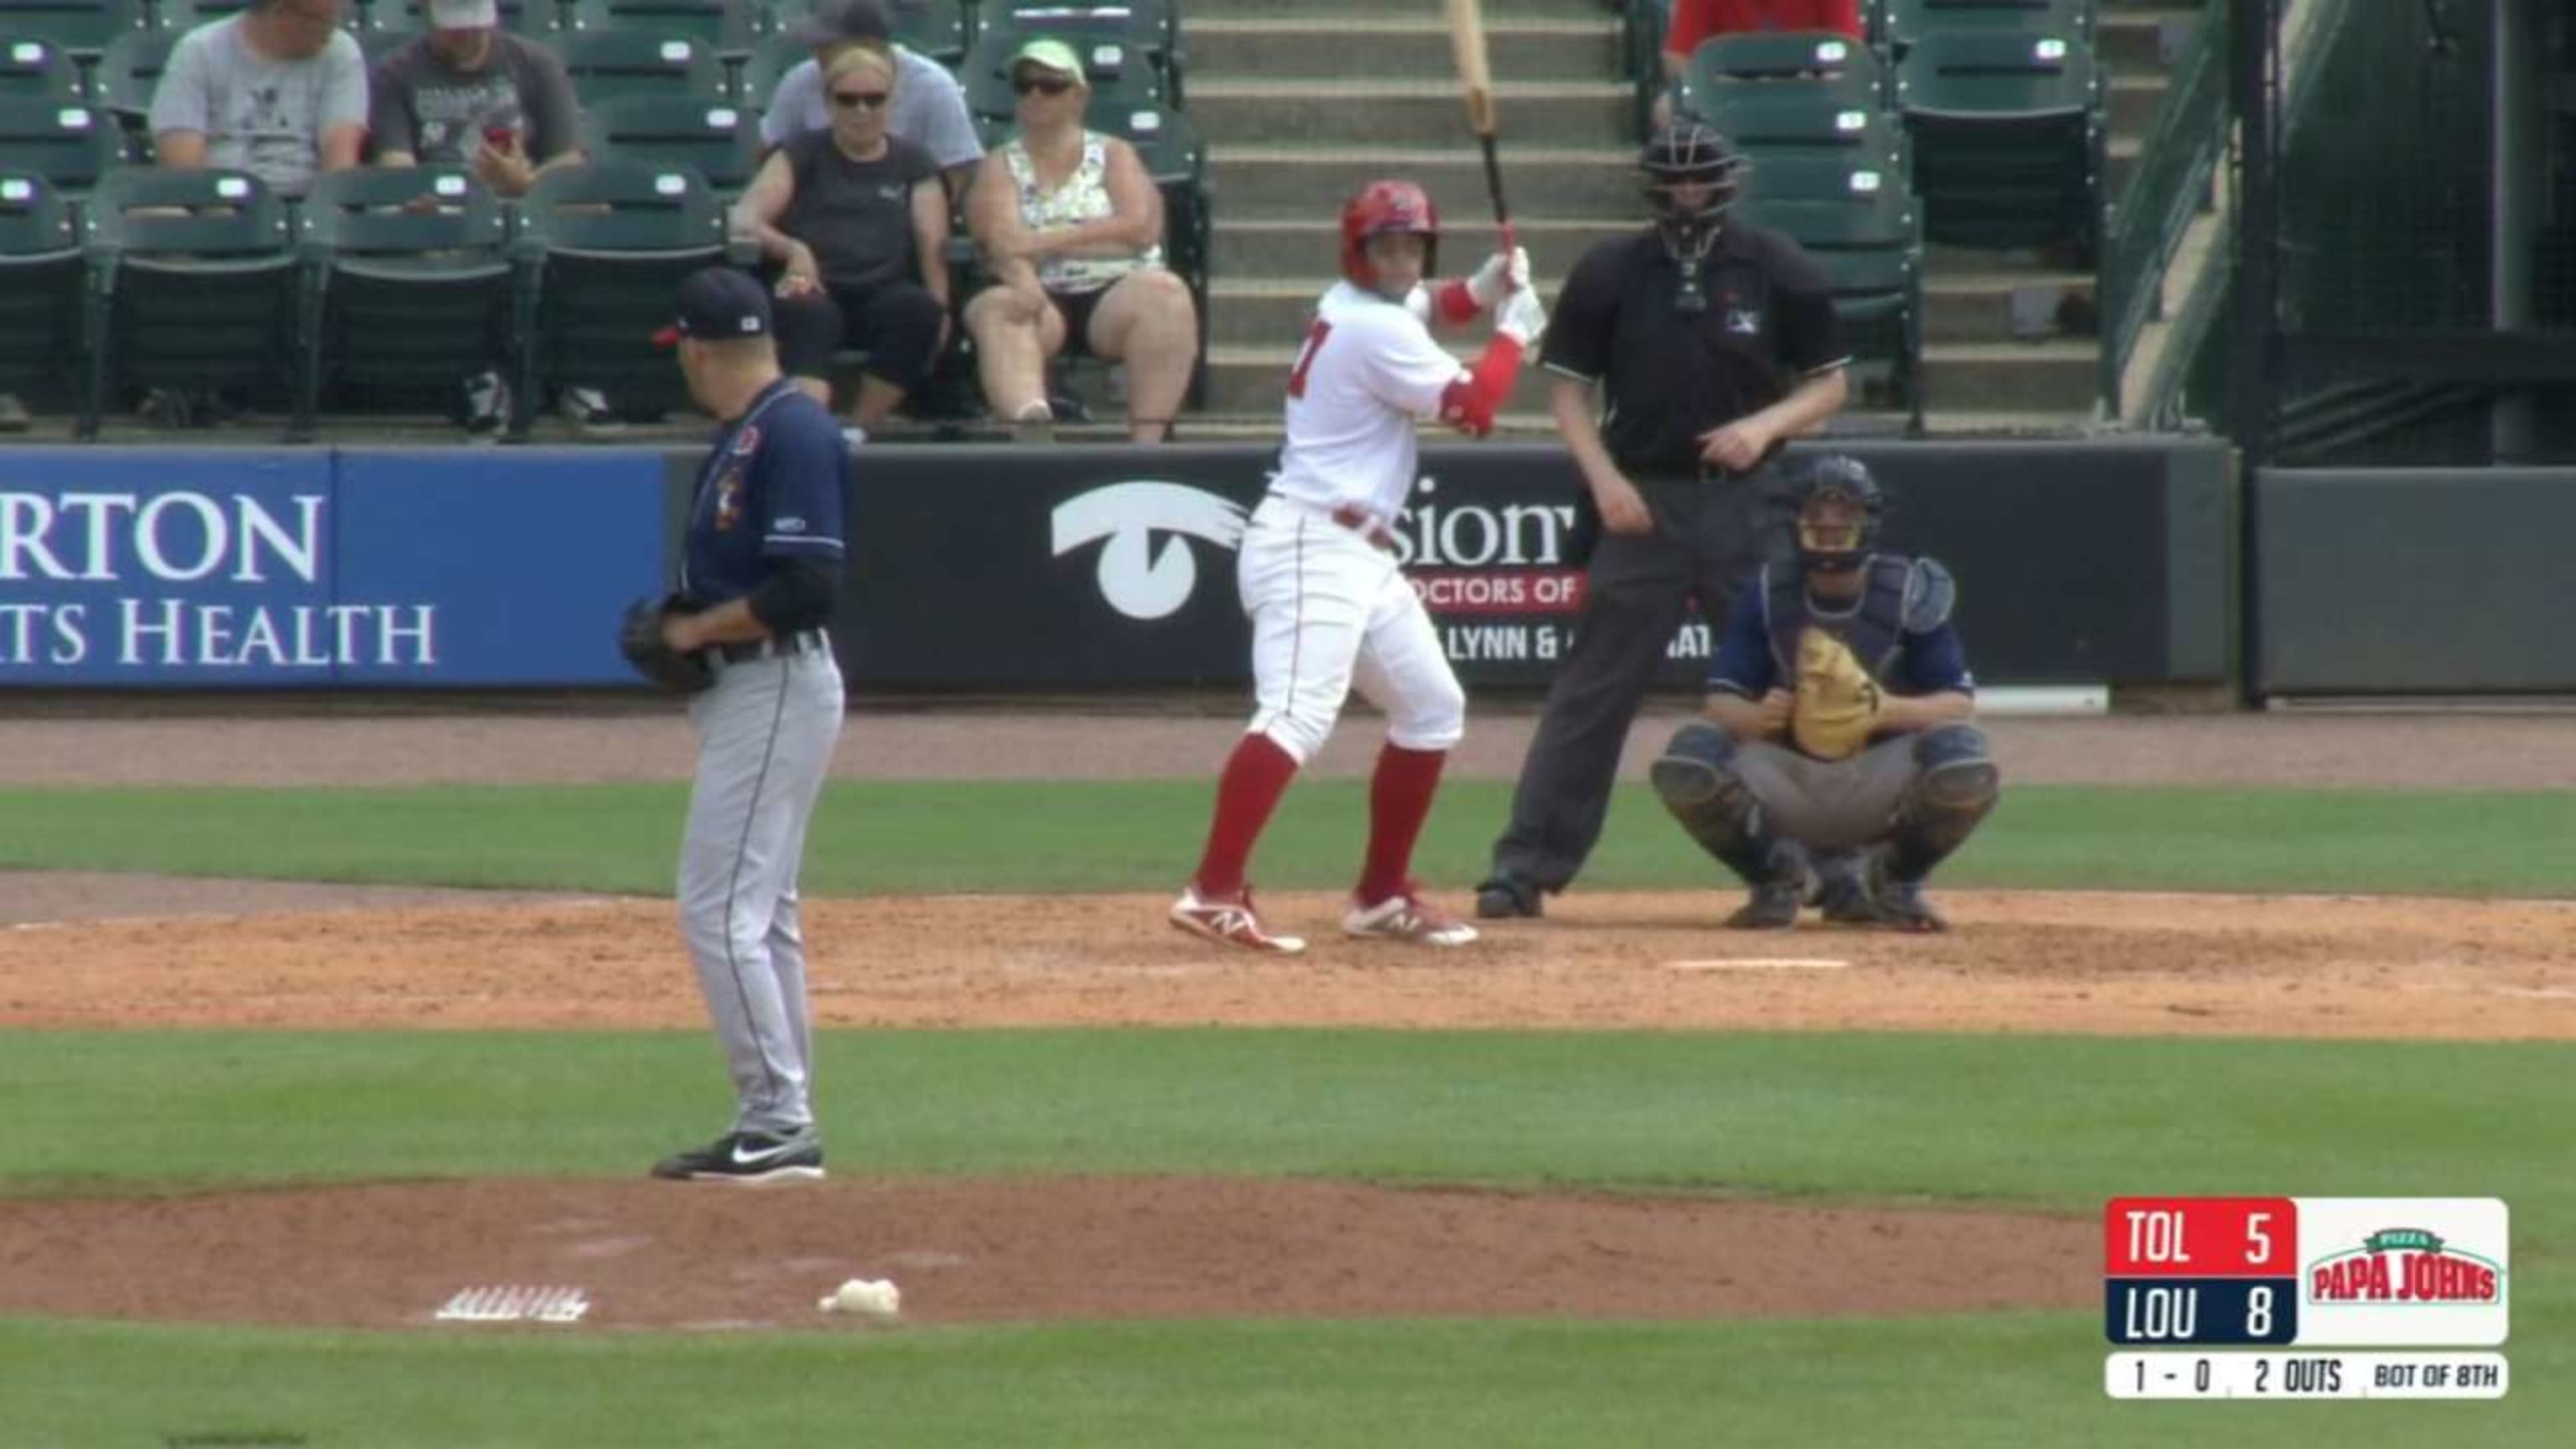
(1932, 661)
(774, 485)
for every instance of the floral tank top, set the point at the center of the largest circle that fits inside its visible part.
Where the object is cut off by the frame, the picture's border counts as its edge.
(1083, 197)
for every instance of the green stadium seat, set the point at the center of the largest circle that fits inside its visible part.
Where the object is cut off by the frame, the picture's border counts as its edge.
(69, 144)
(193, 283)
(1908, 21)
(940, 29)
(602, 249)
(606, 64)
(1821, 178)
(38, 68)
(1868, 241)
(770, 60)
(125, 78)
(2008, 134)
(1764, 122)
(1120, 76)
(1784, 62)
(727, 27)
(715, 138)
(409, 285)
(41, 270)
(83, 27)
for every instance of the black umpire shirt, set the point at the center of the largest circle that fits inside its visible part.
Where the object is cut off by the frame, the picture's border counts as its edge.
(1672, 375)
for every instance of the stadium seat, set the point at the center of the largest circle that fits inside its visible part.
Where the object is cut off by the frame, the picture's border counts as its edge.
(770, 60)
(409, 286)
(1820, 178)
(940, 29)
(68, 144)
(1119, 74)
(193, 283)
(1815, 62)
(1150, 26)
(41, 264)
(606, 64)
(1764, 122)
(38, 68)
(2008, 134)
(717, 139)
(1908, 21)
(126, 77)
(83, 27)
(601, 250)
(539, 19)
(727, 27)
(1868, 241)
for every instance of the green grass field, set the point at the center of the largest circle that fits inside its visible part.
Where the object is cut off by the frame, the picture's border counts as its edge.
(2057, 1123)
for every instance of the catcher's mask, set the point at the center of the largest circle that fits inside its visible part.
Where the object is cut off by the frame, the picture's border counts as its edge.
(1838, 507)
(1692, 175)
(1382, 207)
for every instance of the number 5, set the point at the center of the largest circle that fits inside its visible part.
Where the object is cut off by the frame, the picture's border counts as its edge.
(2258, 1242)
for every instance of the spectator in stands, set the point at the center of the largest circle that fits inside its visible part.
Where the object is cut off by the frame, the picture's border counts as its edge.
(278, 90)
(1696, 20)
(929, 108)
(856, 224)
(469, 94)
(1072, 228)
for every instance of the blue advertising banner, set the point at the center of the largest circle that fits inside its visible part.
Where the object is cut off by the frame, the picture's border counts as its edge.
(256, 568)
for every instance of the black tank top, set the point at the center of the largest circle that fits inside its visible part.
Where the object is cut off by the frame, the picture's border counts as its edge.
(856, 216)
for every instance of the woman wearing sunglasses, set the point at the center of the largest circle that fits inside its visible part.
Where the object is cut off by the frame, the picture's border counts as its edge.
(853, 220)
(1072, 228)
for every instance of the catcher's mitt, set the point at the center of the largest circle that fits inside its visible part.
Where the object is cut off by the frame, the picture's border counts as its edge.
(639, 638)
(1838, 703)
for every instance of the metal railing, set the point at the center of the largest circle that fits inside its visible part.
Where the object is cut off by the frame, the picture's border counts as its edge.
(2176, 167)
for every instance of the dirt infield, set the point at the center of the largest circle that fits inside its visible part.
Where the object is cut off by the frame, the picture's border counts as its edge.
(213, 954)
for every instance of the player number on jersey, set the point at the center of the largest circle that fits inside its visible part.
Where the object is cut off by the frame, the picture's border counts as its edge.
(1315, 335)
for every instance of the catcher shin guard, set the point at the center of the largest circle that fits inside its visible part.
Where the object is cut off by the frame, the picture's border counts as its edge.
(1956, 785)
(1697, 782)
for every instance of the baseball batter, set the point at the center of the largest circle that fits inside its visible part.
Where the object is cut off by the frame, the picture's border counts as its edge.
(762, 566)
(1317, 571)
(1838, 720)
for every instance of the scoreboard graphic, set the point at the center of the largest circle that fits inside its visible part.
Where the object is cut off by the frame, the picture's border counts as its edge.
(2183, 1275)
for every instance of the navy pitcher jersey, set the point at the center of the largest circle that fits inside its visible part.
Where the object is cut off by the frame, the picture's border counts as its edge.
(775, 485)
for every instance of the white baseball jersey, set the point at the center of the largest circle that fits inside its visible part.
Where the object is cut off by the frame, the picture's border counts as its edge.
(1368, 370)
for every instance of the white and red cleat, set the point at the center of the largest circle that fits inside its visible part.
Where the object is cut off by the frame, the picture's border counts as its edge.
(1403, 917)
(1230, 922)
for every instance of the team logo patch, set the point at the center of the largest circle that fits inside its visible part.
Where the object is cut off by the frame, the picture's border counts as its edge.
(728, 499)
(1138, 579)
(1743, 321)
(747, 442)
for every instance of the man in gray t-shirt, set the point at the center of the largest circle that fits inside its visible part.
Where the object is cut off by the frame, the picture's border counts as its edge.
(929, 105)
(278, 90)
(467, 94)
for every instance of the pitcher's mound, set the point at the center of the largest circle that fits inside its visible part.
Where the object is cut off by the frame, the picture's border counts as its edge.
(667, 1255)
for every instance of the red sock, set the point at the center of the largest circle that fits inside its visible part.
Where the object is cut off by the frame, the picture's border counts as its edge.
(1399, 801)
(1256, 775)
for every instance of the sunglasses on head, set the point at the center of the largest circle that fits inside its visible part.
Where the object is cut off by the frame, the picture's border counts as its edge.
(861, 100)
(1045, 85)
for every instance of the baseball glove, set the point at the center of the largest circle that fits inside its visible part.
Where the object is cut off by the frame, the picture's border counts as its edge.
(639, 638)
(1838, 703)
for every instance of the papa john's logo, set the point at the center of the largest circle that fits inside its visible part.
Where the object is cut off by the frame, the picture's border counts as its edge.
(1138, 579)
(2405, 1267)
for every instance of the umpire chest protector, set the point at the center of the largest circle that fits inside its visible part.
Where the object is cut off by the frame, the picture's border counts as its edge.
(1898, 595)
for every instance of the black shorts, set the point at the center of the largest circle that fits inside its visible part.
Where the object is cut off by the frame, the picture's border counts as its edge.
(1077, 308)
(897, 323)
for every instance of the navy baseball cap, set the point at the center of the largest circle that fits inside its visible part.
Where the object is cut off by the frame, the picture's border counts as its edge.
(719, 304)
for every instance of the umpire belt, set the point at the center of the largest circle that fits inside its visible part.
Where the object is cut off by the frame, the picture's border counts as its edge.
(776, 646)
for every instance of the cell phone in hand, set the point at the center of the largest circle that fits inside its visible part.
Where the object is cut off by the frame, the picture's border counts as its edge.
(501, 138)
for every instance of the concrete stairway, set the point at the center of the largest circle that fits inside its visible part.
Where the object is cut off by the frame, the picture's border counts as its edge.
(1300, 103)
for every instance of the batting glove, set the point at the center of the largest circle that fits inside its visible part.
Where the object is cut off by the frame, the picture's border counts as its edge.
(1500, 274)
(1521, 318)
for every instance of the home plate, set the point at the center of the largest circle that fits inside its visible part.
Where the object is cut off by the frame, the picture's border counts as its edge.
(1760, 963)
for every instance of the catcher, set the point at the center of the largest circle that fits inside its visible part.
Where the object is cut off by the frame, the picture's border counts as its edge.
(1837, 735)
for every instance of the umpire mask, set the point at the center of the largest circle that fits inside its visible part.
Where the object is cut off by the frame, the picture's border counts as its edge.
(1692, 175)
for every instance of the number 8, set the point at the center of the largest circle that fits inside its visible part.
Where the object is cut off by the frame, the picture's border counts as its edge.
(2258, 1312)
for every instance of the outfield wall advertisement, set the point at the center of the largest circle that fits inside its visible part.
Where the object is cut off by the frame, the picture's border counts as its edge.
(985, 568)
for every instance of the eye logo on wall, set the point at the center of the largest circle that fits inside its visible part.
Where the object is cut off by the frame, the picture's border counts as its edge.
(1138, 578)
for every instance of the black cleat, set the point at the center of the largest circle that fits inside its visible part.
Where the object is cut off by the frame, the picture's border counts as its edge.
(1846, 901)
(748, 1157)
(1900, 906)
(1507, 897)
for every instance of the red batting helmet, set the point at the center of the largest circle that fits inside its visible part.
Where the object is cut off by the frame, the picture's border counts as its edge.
(1382, 207)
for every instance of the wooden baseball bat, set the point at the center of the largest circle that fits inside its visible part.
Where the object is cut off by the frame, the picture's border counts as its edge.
(1476, 76)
